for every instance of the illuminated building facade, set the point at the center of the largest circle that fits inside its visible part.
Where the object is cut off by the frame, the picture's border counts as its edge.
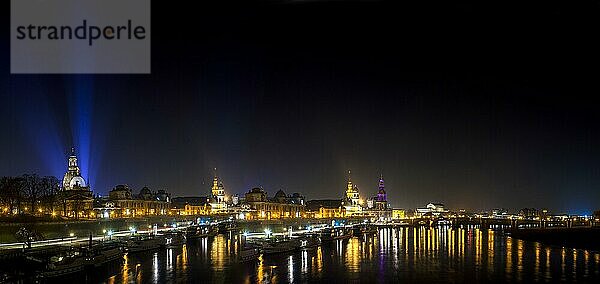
(432, 209)
(352, 202)
(75, 194)
(191, 206)
(398, 214)
(325, 208)
(122, 203)
(380, 209)
(218, 202)
(259, 206)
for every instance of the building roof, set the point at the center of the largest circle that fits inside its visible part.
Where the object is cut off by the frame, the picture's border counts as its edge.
(257, 190)
(121, 187)
(191, 200)
(280, 193)
(325, 203)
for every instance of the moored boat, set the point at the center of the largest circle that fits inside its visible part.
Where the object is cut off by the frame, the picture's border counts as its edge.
(195, 232)
(101, 257)
(275, 246)
(139, 244)
(64, 265)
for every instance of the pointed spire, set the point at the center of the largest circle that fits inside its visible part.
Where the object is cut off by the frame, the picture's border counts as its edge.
(349, 181)
(72, 151)
(381, 182)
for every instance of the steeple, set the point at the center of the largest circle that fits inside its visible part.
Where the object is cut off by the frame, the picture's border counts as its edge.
(350, 187)
(73, 167)
(215, 185)
(218, 193)
(381, 194)
(381, 183)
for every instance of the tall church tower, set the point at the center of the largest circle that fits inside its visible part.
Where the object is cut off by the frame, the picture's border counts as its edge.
(352, 200)
(217, 203)
(381, 195)
(381, 201)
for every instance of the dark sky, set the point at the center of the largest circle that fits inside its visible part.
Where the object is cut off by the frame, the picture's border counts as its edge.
(475, 105)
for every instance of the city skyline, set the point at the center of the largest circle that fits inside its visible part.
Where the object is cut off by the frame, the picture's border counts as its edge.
(217, 184)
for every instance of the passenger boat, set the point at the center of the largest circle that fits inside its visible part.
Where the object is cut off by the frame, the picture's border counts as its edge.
(329, 234)
(64, 265)
(275, 246)
(195, 232)
(145, 243)
(101, 257)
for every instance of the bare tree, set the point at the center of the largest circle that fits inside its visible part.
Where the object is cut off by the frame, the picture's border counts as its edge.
(10, 195)
(50, 187)
(32, 190)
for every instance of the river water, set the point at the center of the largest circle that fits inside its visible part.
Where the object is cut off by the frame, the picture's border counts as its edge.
(440, 254)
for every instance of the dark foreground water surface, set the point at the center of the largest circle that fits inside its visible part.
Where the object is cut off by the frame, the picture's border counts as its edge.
(394, 255)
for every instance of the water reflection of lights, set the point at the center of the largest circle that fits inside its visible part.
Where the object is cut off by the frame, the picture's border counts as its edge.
(155, 267)
(204, 247)
(304, 262)
(490, 250)
(138, 273)
(390, 252)
(519, 260)
(575, 263)
(218, 253)
(563, 255)
(353, 255)
(291, 268)
(184, 258)
(169, 260)
(339, 247)
(125, 270)
(260, 269)
(547, 263)
(319, 260)
(537, 260)
(586, 258)
(509, 255)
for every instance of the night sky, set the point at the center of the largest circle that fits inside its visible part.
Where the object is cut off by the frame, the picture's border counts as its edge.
(475, 105)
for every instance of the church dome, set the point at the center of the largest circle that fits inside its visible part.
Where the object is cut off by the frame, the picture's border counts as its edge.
(77, 182)
(145, 190)
(257, 190)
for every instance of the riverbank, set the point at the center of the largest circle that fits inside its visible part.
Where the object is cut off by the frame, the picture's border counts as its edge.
(580, 238)
(63, 229)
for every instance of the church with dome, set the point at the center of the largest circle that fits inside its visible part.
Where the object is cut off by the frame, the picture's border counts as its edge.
(75, 194)
(73, 179)
(218, 202)
(352, 202)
